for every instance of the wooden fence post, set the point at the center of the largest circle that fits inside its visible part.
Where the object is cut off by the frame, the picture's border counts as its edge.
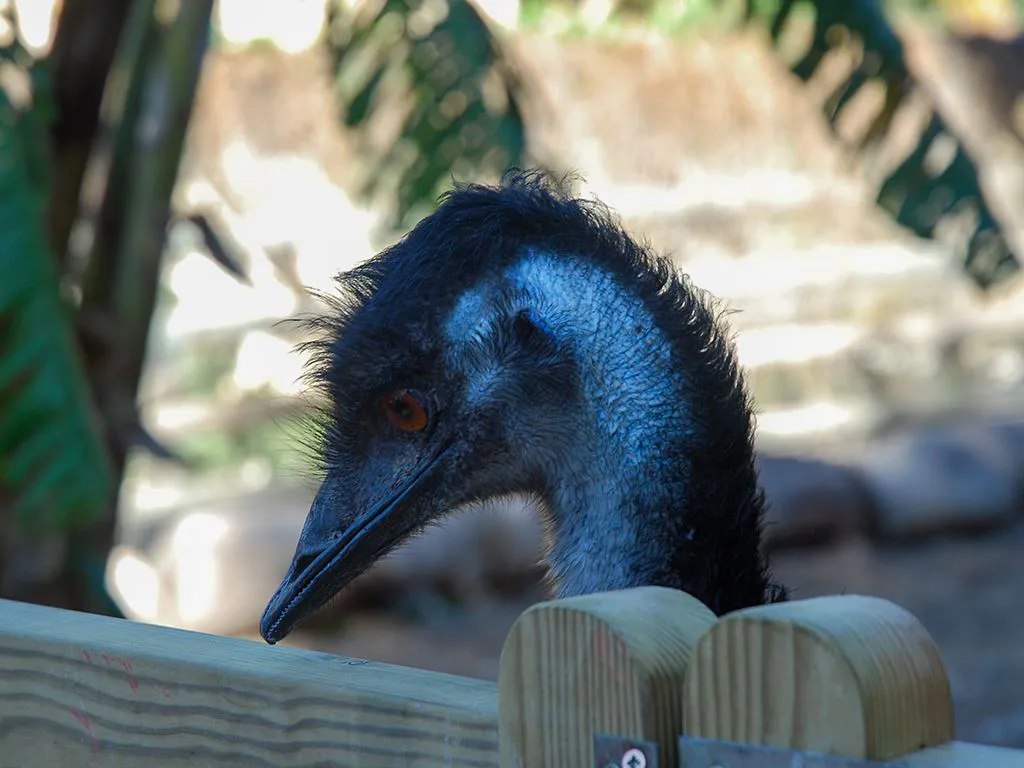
(853, 676)
(611, 663)
(82, 691)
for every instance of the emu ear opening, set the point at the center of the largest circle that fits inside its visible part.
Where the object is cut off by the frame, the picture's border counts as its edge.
(531, 330)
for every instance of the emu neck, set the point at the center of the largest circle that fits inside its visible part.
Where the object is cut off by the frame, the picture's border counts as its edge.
(604, 536)
(659, 487)
(619, 529)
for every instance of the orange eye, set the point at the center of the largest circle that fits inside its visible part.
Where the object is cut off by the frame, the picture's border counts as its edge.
(405, 410)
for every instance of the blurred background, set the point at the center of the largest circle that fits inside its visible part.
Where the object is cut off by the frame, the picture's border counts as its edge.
(176, 175)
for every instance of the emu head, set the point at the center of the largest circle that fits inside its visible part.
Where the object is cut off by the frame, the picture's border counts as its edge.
(518, 342)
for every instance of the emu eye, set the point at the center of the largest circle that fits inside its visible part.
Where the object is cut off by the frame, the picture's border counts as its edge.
(406, 410)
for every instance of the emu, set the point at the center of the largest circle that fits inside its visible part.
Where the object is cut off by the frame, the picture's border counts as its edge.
(519, 341)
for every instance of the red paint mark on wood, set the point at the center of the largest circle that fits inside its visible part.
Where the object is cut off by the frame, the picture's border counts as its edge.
(133, 682)
(112, 660)
(86, 721)
(82, 718)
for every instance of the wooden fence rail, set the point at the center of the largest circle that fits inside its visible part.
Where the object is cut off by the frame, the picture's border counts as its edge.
(645, 678)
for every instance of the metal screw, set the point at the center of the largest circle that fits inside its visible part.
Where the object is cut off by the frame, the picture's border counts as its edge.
(634, 758)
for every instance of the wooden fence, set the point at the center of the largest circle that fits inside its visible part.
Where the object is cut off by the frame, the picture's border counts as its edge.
(603, 680)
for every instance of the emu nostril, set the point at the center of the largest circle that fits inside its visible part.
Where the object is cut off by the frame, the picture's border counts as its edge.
(303, 561)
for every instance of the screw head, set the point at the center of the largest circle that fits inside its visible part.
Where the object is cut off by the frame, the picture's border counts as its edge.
(634, 758)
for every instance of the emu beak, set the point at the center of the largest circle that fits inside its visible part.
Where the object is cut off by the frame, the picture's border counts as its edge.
(327, 559)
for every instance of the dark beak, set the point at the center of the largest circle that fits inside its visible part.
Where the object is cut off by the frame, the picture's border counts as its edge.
(326, 560)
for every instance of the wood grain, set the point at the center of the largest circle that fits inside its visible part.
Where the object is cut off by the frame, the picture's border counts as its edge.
(92, 692)
(610, 663)
(855, 676)
(958, 754)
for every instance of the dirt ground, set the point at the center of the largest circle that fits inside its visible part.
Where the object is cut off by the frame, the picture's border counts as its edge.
(969, 593)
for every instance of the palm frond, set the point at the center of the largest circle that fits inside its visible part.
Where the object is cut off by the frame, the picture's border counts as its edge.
(54, 469)
(431, 92)
(919, 194)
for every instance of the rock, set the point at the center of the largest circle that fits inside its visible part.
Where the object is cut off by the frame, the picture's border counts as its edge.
(1010, 433)
(811, 501)
(944, 478)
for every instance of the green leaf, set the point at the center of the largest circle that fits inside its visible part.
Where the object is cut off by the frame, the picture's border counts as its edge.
(439, 65)
(917, 196)
(53, 462)
(359, 106)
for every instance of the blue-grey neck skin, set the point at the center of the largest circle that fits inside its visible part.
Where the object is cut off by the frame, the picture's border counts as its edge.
(607, 474)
